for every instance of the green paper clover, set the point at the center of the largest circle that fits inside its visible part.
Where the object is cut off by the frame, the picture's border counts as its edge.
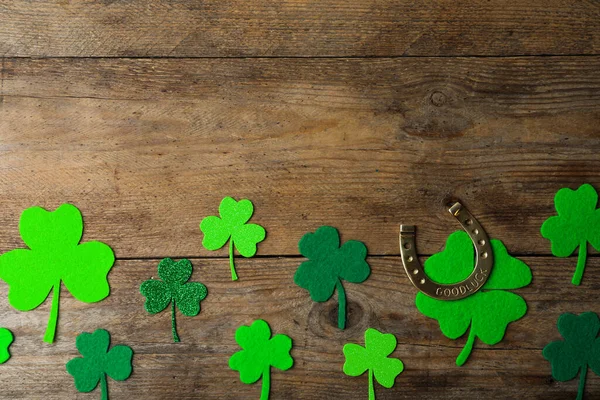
(173, 289)
(232, 226)
(374, 358)
(55, 256)
(576, 225)
(580, 349)
(6, 339)
(260, 353)
(329, 264)
(98, 361)
(488, 311)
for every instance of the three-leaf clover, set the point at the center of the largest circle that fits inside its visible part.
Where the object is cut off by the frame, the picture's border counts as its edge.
(173, 289)
(232, 226)
(329, 264)
(54, 257)
(487, 312)
(260, 353)
(580, 349)
(577, 223)
(374, 358)
(6, 339)
(98, 361)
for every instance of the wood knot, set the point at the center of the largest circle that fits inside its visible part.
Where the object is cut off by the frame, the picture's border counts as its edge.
(438, 99)
(323, 317)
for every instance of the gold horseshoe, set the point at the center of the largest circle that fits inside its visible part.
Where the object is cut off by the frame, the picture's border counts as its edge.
(483, 263)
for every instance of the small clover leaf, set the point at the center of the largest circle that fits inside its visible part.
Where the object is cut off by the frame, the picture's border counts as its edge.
(98, 361)
(6, 339)
(260, 353)
(579, 350)
(486, 313)
(374, 357)
(232, 225)
(54, 257)
(576, 225)
(173, 289)
(329, 264)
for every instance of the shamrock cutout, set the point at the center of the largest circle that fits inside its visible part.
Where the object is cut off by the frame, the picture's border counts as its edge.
(580, 349)
(374, 358)
(98, 361)
(329, 264)
(55, 256)
(173, 289)
(260, 353)
(6, 339)
(577, 223)
(232, 226)
(487, 312)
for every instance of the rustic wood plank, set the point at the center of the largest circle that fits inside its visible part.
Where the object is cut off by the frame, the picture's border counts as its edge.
(197, 367)
(147, 148)
(233, 28)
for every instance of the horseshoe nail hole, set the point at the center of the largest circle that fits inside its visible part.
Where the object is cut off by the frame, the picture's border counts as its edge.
(416, 271)
(476, 231)
(422, 281)
(484, 254)
(407, 246)
(469, 222)
(410, 259)
(481, 242)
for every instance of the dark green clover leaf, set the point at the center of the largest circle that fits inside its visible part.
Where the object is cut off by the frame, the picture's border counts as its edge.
(98, 361)
(259, 353)
(173, 289)
(374, 357)
(579, 350)
(576, 225)
(486, 313)
(329, 264)
(232, 226)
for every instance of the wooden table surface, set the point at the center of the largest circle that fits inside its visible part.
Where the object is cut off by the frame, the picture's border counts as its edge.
(360, 114)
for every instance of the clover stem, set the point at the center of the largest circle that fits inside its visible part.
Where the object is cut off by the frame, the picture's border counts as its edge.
(581, 383)
(173, 323)
(51, 328)
(581, 257)
(342, 304)
(371, 389)
(234, 276)
(104, 387)
(266, 384)
(466, 351)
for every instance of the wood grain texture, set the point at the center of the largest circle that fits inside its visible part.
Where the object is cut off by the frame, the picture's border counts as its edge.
(225, 28)
(147, 148)
(197, 367)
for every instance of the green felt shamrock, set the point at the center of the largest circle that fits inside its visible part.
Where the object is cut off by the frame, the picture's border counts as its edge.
(173, 289)
(54, 257)
(580, 349)
(329, 264)
(487, 312)
(98, 361)
(260, 353)
(6, 339)
(576, 225)
(232, 226)
(374, 358)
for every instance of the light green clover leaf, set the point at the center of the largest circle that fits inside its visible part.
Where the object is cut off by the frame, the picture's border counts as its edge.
(232, 225)
(487, 312)
(98, 361)
(54, 257)
(6, 339)
(576, 225)
(173, 289)
(260, 353)
(374, 357)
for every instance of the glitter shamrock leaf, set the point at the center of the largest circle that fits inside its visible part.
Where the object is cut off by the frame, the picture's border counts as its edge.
(232, 226)
(6, 339)
(98, 362)
(576, 225)
(329, 264)
(54, 257)
(173, 289)
(579, 350)
(260, 353)
(373, 358)
(486, 313)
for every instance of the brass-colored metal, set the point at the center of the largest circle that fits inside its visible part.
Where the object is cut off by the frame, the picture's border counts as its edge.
(483, 262)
